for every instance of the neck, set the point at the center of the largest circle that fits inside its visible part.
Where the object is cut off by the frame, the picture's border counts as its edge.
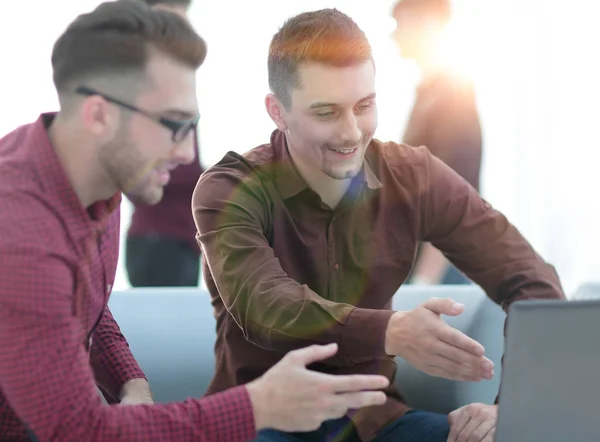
(329, 189)
(80, 161)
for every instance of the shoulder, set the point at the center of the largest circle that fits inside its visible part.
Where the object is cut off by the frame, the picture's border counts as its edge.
(402, 169)
(396, 155)
(235, 170)
(29, 219)
(36, 262)
(18, 162)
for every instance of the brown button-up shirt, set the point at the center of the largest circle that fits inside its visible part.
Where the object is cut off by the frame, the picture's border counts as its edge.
(285, 271)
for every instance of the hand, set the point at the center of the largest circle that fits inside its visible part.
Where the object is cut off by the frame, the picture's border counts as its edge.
(291, 398)
(136, 392)
(425, 341)
(473, 423)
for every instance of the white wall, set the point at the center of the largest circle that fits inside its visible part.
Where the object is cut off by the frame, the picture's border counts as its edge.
(532, 62)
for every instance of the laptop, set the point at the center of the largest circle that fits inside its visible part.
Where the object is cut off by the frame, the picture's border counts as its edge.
(550, 388)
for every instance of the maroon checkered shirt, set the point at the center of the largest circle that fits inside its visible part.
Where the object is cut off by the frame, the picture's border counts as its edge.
(57, 266)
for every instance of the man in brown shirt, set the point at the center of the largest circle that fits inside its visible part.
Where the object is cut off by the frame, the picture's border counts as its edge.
(307, 238)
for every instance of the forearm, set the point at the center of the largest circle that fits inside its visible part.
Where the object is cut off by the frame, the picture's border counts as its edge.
(54, 394)
(481, 242)
(136, 391)
(361, 336)
(298, 317)
(505, 265)
(278, 314)
(111, 359)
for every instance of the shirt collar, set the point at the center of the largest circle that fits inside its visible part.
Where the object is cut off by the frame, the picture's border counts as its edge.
(289, 181)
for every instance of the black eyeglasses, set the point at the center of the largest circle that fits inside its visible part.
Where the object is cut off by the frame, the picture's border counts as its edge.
(180, 128)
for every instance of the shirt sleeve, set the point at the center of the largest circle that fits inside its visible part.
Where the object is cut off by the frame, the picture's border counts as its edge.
(479, 240)
(274, 311)
(46, 377)
(111, 359)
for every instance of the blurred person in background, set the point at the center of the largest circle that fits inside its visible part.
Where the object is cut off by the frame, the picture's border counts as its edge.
(160, 247)
(444, 117)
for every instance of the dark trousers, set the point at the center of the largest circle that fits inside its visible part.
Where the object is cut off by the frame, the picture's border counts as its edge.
(414, 426)
(32, 437)
(161, 262)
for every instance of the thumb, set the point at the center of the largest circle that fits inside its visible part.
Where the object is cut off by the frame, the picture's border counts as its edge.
(444, 306)
(308, 355)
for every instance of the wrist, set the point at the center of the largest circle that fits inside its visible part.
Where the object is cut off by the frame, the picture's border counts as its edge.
(136, 390)
(392, 346)
(258, 400)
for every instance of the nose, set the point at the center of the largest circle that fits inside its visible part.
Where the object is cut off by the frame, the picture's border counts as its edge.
(349, 130)
(186, 150)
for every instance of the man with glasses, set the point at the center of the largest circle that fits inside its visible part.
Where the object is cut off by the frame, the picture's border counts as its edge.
(126, 82)
(160, 245)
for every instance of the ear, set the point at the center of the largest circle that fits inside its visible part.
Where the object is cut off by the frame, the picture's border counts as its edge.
(276, 111)
(99, 118)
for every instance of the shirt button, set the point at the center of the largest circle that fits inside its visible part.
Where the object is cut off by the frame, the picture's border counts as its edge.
(336, 266)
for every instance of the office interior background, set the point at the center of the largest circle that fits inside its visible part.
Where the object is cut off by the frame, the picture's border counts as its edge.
(534, 64)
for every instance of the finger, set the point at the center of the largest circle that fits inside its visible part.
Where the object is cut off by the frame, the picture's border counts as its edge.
(307, 355)
(463, 362)
(341, 403)
(454, 415)
(362, 399)
(446, 368)
(461, 421)
(465, 434)
(440, 372)
(463, 357)
(490, 437)
(460, 340)
(481, 432)
(444, 306)
(353, 382)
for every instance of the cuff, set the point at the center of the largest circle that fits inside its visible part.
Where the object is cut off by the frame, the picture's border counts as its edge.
(228, 416)
(363, 336)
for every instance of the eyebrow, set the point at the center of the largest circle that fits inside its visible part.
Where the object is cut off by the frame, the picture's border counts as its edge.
(320, 104)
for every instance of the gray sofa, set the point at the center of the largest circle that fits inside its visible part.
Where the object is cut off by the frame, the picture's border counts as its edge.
(172, 332)
(590, 290)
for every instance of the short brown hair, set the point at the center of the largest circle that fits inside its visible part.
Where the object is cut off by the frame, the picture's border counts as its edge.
(326, 36)
(117, 38)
